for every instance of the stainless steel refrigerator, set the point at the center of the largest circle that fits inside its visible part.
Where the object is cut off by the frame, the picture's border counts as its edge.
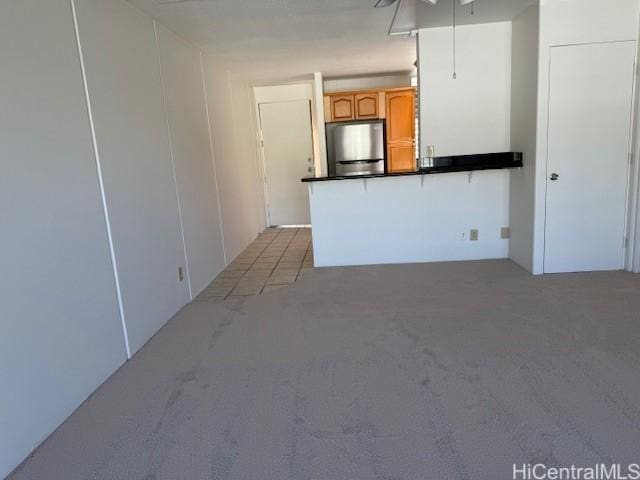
(356, 148)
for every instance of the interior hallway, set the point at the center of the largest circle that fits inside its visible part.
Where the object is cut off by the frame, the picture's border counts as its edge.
(429, 371)
(277, 258)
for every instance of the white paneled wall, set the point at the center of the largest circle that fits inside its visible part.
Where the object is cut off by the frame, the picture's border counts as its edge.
(136, 97)
(127, 105)
(524, 98)
(469, 114)
(60, 330)
(409, 219)
(569, 22)
(183, 79)
(232, 117)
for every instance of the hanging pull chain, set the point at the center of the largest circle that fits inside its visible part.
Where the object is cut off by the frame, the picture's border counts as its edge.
(454, 39)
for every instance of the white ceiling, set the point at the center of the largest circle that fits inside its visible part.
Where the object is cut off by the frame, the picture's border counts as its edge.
(283, 40)
(270, 41)
(415, 14)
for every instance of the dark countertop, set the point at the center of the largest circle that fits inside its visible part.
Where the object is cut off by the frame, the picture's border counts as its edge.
(455, 163)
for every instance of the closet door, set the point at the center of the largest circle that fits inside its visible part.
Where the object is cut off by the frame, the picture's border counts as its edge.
(590, 103)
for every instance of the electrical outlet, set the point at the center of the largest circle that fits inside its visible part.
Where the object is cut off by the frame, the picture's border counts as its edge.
(463, 236)
(473, 235)
(505, 232)
(180, 274)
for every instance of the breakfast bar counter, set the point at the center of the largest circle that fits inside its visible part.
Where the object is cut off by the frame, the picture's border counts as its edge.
(409, 217)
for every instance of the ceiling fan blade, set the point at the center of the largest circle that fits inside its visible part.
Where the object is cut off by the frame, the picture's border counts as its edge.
(462, 2)
(384, 3)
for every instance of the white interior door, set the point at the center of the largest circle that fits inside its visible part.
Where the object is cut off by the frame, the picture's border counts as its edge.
(590, 97)
(288, 156)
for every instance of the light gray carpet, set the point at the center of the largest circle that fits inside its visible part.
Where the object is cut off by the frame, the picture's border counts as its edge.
(438, 371)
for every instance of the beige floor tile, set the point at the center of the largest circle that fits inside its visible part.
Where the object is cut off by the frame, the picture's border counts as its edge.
(246, 290)
(267, 260)
(287, 269)
(255, 277)
(274, 280)
(230, 274)
(292, 256)
(273, 288)
(262, 267)
(220, 291)
(277, 257)
(288, 276)
(239, 266)
(223, 282)
(283, 265)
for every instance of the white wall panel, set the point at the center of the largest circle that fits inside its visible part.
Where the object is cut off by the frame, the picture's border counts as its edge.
(409, 219)
(471, 113)
(124, 83)
(524, 99)
(390, 80)
(186, 107)
(564, 22)
(233, 128)
(60, 329)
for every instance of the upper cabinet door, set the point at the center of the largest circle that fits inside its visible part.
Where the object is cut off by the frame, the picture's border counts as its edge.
(400, 114)
(366, 105)
(342, 107)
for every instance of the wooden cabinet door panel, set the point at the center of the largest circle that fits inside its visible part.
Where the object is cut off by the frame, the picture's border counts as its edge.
(400, 121)
(342, 107)
(401, 157)
(366, 105)
(401, 116)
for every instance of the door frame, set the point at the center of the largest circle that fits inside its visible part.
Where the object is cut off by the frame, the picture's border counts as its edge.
(631, 247)
(263, 157)
(632, 254)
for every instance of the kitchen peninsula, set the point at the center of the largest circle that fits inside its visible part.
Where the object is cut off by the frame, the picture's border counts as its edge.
(454, 209)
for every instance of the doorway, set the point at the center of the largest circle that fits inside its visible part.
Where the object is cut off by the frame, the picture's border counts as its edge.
(590, 105)
(287, 147)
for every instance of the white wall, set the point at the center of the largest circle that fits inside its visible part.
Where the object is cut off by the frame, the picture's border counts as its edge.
(524, 98)
(396, 79)
(183, 83)
(311, 91)
(283, 93)
(470, 114)
(123, 78)
(233, 119)
(61, 334)
(320, 134)
(401, 220)
(565, 22)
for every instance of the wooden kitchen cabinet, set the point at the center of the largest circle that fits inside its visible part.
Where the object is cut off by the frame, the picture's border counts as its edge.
(342, 107)
(345, 106)
(401, 130)
(401, 158)
(366, 105)
(397, 106)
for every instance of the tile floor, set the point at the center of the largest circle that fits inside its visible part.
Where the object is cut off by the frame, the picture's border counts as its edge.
(274, 260)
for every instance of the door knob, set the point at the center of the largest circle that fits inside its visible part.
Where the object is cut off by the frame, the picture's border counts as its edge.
(554, 177)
